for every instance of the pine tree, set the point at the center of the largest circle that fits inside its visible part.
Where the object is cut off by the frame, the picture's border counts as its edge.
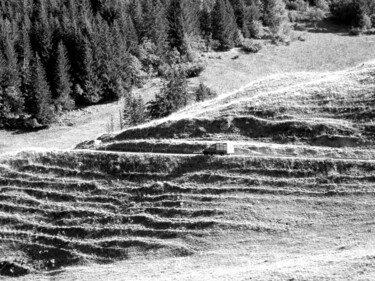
(134, 111)
(63, 86)
(205, 21)
(223, 24)
(176, 31)
(136, 14)
(92, 83)
(172, 97)
(239, 9)
(41, 103)
(155, 23)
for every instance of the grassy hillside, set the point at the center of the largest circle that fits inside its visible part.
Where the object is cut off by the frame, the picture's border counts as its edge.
(296, 201)
(333, 109)
(330, 50)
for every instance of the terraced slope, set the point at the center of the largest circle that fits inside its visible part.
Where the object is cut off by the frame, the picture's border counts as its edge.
(68, 208)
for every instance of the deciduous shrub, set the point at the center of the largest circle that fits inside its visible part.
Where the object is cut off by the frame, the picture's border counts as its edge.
(255, 29)
(365, 22)
(372, 18)
(203, 93)
(355, 31)
(300, 27)
(315, 15)
(249, 46)
(193, 69)
(297, 5)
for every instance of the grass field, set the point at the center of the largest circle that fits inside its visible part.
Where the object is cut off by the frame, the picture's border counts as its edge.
(321, 52)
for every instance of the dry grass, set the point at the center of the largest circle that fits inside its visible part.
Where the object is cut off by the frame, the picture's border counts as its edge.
(321, 52)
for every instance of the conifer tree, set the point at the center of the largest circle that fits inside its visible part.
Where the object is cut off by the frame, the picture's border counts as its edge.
(136, 14)
(41, 102)
(176, 31)
(223, 24)
(134, 111)
(239, 9)
(63, 86)
(172, 97)
(155, 23)
(92, 83)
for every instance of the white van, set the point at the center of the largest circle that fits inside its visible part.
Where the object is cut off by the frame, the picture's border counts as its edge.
(223, 148)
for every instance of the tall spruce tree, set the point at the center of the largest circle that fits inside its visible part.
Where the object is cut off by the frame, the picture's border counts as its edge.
(136, 14)
(223, 24)
(63, 87)
(176, 31)
(41, 101)
(239, 9)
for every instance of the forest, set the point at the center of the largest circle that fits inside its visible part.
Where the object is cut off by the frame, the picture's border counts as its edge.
(58, 55)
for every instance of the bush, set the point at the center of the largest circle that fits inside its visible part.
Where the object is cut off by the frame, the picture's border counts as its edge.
(365, 22)
(138, 75)
(372, 18)
(203, 93)
(148, 55)
(355, 31)
(315, 15)
(296, 5)
(292, 16)
(256, 29)
(249, 46)
(322, 5)
(300, 27)
(214, 45)
(193, 69)
(238, 38)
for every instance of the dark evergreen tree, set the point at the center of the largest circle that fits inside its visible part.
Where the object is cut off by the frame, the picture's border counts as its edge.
(205, 21)
(172, 97)
(134, 112)
(239, 9)
(63, 87)
(176, 31)
(136, 14)
(40, 104)
(223, 24)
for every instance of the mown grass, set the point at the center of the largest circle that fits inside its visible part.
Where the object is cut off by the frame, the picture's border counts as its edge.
(321, 52)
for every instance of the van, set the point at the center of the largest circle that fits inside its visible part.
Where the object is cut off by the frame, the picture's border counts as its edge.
(224, 148)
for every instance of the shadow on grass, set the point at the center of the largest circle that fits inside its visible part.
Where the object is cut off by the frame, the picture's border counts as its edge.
(330, 26)
(27, 131)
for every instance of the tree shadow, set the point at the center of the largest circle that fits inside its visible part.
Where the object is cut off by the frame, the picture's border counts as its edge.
(26, 131)
(330, 26)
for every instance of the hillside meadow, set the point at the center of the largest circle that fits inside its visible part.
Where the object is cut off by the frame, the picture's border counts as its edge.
(321, 52)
